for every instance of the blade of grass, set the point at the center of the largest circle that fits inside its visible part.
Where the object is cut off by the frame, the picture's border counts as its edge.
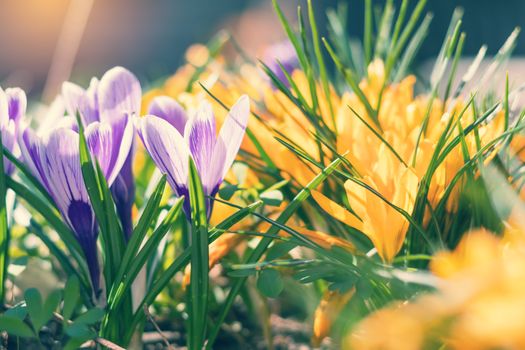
(4, 229)
(148, 217)
(354, 84)
(320, 61)
(199, 281)
(367, 39)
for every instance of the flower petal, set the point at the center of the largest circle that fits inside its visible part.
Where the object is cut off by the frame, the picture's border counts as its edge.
(17, 103)
(201, 137)
(111, 145)
(168, 149)
(230, 138)
(8, 141)
(85, 102)
(33, 154)
(168, 109)
(4, 109)
(61, 169)
(119, 94)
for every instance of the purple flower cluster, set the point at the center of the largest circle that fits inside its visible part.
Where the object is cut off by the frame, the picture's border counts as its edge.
(109, 110)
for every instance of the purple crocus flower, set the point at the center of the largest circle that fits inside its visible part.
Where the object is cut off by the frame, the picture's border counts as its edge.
(13, 103)
(54, 159)
(108, 102)
(171, 137)
(283, 53)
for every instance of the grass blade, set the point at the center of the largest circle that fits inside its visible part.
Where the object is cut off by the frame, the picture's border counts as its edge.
(199, 281)
(4, 229)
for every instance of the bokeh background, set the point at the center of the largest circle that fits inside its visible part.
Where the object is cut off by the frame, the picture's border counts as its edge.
(43, 43)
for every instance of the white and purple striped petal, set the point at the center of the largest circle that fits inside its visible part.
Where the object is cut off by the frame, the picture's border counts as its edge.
(230, 138)
(55, 161)
(200, 135)
(110, 144)
(13, 104)
(212, 155)
(168, 149)
(119, 95)
(77, 99)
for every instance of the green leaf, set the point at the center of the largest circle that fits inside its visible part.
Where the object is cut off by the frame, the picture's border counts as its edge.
(199, 282)
(279, 249)
(15, 326)
(91, 316)
(80, 330)
(242, 273)
(227, 192)
(4, 229)
(52, 301)
(35, 308)
(75, 343)
(272, 198)
(19, 311)
(363, 288)
(71, 296)
(270, 283)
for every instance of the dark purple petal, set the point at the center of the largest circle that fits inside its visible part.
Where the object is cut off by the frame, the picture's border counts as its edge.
(82, 220)
(168, 109)
(123, 191)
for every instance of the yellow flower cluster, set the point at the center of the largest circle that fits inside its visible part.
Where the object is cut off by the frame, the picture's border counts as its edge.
(394, 164)
(478, 305)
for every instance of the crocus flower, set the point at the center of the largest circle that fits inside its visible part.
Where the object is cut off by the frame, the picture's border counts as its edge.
(171, 137)
(53, 156)
(104, 106)
(283, 53)
(13, 104)
(54, 159)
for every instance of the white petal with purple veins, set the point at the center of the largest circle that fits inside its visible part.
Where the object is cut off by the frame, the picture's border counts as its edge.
(232, 134)
(200, 134)
(119, 93)
(4, 109)
(76, 99)
(168, 149)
